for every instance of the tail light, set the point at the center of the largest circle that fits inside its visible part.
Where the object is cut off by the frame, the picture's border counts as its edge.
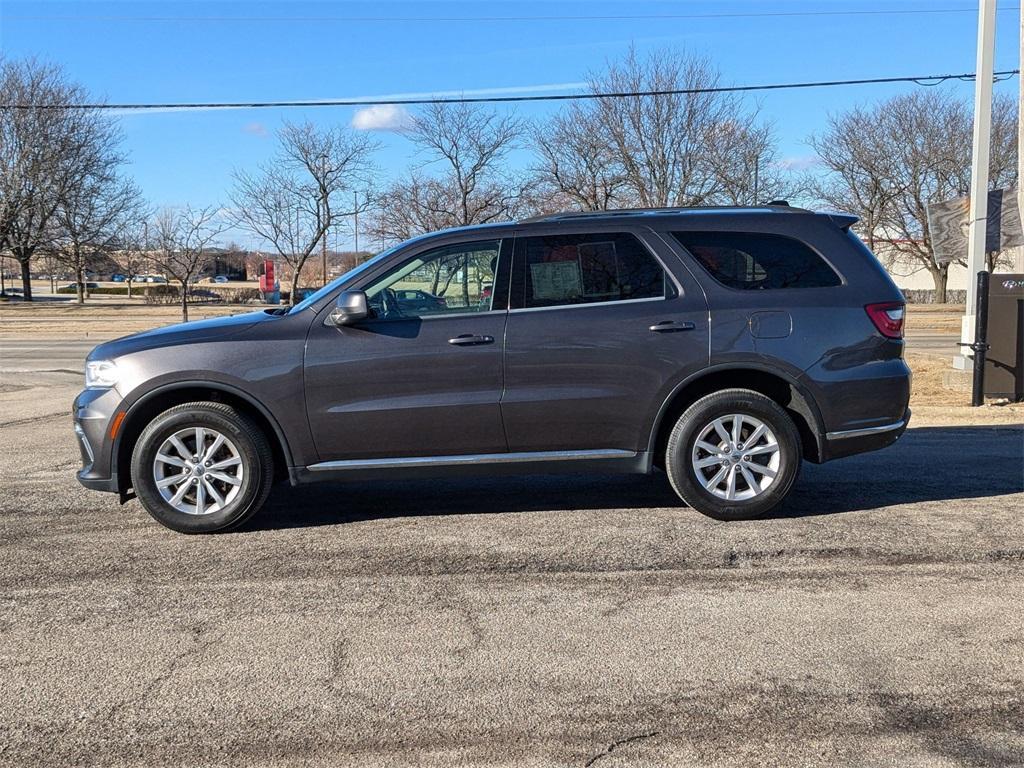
(888, 318)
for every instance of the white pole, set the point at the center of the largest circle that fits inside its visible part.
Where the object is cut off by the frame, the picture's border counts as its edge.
(1018, 264)
(979, 160)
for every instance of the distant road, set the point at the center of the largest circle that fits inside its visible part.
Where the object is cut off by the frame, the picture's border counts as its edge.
(934, 343)
(28, 356)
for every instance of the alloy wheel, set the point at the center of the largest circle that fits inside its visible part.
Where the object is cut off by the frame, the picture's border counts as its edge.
(198, 471)
(736, 457)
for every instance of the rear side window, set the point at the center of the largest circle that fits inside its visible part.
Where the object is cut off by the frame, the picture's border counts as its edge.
(584, 269)
(756, 262)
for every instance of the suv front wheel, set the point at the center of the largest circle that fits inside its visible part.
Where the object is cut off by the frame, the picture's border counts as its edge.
(202, 467)
(734, 455)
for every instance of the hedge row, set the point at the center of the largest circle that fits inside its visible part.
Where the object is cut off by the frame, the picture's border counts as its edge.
(122, 290)
(163, 293)
(927, 296)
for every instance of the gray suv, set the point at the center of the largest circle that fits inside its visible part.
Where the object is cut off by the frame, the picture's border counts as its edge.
(722, 345)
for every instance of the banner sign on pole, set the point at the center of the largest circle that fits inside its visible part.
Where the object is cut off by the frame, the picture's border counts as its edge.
(267, 278)
(948, 222)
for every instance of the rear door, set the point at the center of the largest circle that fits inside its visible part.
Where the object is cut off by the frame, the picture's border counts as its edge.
(599, 332)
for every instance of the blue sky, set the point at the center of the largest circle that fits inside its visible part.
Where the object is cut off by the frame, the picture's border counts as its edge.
(320, 50)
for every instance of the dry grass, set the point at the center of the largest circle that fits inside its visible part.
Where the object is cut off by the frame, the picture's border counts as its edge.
(934, 318)
(100, 320)
(928, 388)
(934, 404)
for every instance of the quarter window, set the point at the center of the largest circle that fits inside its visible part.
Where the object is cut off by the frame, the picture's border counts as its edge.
(755, 262)
(448, 280)
(584, 269)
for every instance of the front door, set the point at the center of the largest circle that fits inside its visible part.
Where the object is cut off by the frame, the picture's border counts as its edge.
(598, 334)
(423, 376)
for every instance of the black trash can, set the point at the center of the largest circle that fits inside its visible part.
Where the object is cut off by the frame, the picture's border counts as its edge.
(1004, 366)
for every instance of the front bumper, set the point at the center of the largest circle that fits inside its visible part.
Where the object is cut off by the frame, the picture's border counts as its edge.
(92, 412)
(854, 441)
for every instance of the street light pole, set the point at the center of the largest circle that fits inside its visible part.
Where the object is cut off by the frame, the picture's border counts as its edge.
(323, 255)
(1018, 263)
(978, 217)
(355, 208)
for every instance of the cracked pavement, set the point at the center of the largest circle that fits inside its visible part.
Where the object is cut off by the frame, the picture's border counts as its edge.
(556, 621)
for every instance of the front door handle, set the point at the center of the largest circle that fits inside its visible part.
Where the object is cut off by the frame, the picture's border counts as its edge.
(671, 326)
(469, 340)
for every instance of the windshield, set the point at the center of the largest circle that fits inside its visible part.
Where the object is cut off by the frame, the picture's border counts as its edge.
(313, 298)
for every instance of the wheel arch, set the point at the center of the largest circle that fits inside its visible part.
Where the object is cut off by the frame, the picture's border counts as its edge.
(153, 403)
(777, 385)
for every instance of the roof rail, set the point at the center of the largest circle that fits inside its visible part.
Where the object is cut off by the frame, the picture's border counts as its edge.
(563, 215)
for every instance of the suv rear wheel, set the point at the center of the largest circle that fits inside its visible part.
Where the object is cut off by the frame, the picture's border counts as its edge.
(202, 467)
(734, 455)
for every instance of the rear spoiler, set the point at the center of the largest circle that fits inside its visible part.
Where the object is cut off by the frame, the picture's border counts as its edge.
(843, 220)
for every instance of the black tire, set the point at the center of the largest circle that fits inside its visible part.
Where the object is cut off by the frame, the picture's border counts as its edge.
(679, 452)
(253, 449)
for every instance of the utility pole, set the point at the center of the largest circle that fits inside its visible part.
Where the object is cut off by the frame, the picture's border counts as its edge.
(355, 209)
(323, 243)
(757, 169)
(978, 216)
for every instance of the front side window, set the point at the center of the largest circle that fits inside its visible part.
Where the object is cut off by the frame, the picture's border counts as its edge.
(754, 262)
(584, 269)
(447, 280)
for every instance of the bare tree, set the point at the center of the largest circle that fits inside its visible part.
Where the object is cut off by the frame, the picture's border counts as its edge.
(854, 176)
(135, 245)
(666, 144)
(182, 239)
(47, 150)
(670, 149)
(91, 218)
(293, 201)
(887, 162)
(468, 145)
(577, 162)
(741, 157)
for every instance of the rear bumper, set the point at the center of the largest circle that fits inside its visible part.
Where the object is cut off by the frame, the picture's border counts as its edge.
(854, 441)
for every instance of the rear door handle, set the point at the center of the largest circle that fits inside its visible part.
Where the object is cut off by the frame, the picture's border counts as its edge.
(469, 340)
(671, 326)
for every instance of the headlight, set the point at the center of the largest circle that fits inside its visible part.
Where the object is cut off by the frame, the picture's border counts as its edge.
(100, 374)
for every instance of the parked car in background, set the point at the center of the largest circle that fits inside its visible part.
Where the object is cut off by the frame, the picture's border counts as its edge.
(149, 279)
(221, 279)
(74, 286)
(118, 278)
(724, 346)
(417, 301)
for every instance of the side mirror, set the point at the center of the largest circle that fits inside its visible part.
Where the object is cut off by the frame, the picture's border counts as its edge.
(351, 307)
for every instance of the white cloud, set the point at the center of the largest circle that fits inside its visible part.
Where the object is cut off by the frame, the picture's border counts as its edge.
(256, 129)
(382, 117)
(798, 163)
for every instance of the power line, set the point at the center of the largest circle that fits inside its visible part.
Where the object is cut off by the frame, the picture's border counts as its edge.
(924, 80)
(561, 17)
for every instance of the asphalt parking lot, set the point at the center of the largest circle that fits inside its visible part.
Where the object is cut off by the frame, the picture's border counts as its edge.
(541, 621)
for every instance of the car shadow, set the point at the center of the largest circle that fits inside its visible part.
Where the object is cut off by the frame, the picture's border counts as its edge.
(926, 464)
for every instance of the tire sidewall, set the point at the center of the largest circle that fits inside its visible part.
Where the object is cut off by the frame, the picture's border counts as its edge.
(149, 442)
(702, 413)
